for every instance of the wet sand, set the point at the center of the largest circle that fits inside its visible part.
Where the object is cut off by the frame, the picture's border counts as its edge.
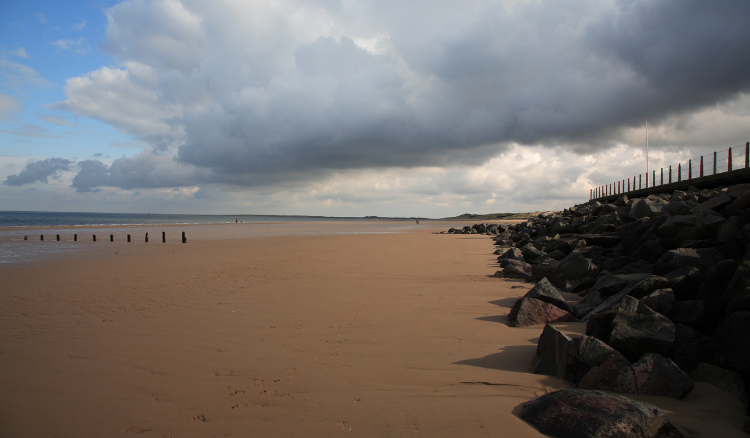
(372, 335)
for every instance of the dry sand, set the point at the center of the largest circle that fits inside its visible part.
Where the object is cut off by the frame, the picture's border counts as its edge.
(392, 335)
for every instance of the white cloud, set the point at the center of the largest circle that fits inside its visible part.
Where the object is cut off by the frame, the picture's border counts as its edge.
(17, 76)
(41, 18)
(20, 53)
(77, 45)
(79, 26)
(8, 105)
(56, 120)
(274, 95)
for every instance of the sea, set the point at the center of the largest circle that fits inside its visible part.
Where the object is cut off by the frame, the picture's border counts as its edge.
(34, 236)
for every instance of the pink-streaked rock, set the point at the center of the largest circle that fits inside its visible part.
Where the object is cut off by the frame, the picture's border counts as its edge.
(532, 312)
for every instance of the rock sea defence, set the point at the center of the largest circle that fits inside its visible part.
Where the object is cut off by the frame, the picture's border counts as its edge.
(664, 287)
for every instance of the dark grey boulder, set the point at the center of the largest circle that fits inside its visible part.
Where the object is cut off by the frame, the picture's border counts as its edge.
(680, 208)
(730, 229)
(738, 204)
(513, 254)
(708, 219)
(558, 245)
(545, 291)
(587, 304)
(531, 254)
(690, 347)
(731, 343)
(644, 331)
(556, 356)
(556, 255)
(657, 375)
(580, 413)
(637, 289)
(515, 269)
(682, 257)
(592, 352)
(714, 203)
(674, 224)
(651, 206)
(574, 268)
(721, 378)
(608, 284)
(660, 300)
(685, 282)
(599, 325)
(615, 374)
(689, 312)
(603, 240)
(737, 295)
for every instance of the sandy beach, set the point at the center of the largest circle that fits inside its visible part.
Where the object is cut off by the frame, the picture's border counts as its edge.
(373, 335)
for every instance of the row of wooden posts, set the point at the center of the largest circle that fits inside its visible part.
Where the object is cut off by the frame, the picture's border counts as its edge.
(112, 237)
(617, 188)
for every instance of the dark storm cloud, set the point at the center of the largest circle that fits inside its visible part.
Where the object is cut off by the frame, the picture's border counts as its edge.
(454, 83)
(39, 171)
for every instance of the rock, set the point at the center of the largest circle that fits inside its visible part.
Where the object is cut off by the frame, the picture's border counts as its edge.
(608, 284)
(637, 267)
(530, 311)
(708, 219)
(615, 375)
(715, 203)
(637, 333)
(657, 375)
(515, 269)
(685, 282)
(580, 413)
(599, 325)
(556, 356)
(724, 379)
(531, 254)
(660, 300)
(716, 280)
(730, 229)
(731, 343)
(587, 304)
(681, 257)
(556, 255)
(681, 208)
(738, 204)
(545, 291)
(558, 245)
(651, 250)
(603, 240)
(512, 254)
(574, 268)
(648, 207)
(691, 312)
(674, 224)
(592, 352)
(690, 347)
(637, 289)
(737, 295)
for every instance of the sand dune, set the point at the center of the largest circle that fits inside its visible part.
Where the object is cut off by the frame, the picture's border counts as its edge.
(365, 335)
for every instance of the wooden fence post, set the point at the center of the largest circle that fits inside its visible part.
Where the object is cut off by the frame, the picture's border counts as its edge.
(646, 179)
(184, 239)
(670, 174)
(75, 237)
(639, 182)
(58, 237)
(41, 237)
(679, 172)
(25, 237)
(94, 237)
(747, 154)
(661, 181)
(729, 161)
(163, 237)
(111, 238)
(714, 163)
(146, 237)
(690, 169)
(128, 238)
(653, 178)
(701, 171)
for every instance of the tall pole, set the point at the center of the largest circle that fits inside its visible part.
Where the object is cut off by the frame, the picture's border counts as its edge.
(646, 146)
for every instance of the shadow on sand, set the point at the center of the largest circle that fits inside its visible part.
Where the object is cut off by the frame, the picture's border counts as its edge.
(515, 358)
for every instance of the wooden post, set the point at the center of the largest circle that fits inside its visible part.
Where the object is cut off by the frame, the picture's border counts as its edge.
(75, 237)
(58, 237)
(714, 163)
(25, 237)
(701, 170)
(679, 172)
(729, 161)
(670, 174)
(653, 179)
(646, 179)
(146, 237)
(639, 182)
(618, 188)
(163, 237)
(111, 238)
(661, 181)
(747, 154)
(94, 237)
(628, 184)
(690, 169)
(41, 237)
(128, 238)
(184, 239)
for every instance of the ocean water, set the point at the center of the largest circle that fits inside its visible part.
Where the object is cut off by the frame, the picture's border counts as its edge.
(28, 237)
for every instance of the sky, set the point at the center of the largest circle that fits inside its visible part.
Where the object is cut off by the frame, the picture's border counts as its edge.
(353, 108)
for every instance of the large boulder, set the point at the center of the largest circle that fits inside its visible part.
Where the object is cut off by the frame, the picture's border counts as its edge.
(574, 268)
(545, 291)
(721, 378)
(689, 312)
(530, 311)
(531, 254)
(731, 343)
(708, 219)
(515, 269)
(671, 226)
(714, 203)
(556, 356)
(608, 284)
(580, 413)
(660, 300)
(690, 347)
(512, 254)
(685, 282)
(702, 258)
(652, 374)
(651, 206)
(637, 289)
(635, 333)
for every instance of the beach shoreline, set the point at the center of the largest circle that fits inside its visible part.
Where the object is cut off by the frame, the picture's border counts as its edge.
(400, 334)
